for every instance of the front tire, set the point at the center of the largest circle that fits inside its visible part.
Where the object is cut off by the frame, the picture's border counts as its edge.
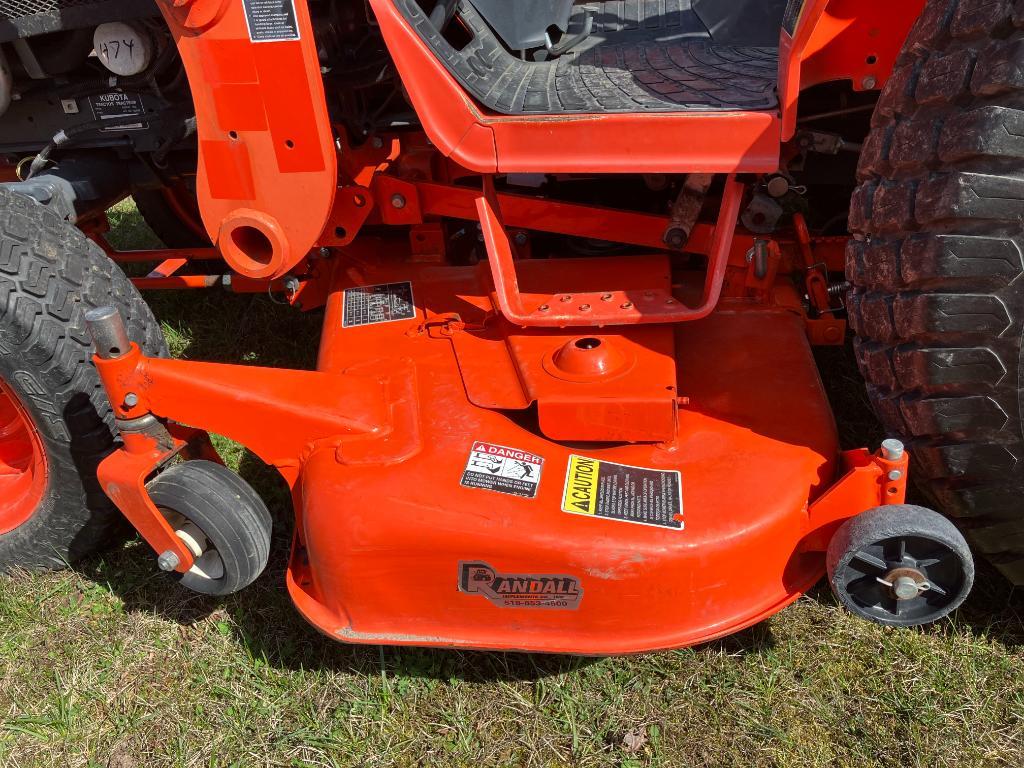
(936, 265)
(50, 276)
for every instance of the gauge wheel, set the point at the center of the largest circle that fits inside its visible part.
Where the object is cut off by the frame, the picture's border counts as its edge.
(900, 565)
(222, 521)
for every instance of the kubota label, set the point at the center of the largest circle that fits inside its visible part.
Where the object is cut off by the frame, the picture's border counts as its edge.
(520, 590)
(622, 492)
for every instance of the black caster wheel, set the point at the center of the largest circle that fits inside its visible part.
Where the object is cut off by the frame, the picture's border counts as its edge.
(222, 521)
(900, 565)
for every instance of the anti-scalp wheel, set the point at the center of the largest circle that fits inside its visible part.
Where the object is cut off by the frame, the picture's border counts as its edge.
(900, 565)
(222, 521)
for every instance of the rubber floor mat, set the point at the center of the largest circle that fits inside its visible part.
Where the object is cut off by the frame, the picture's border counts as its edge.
(634, 61)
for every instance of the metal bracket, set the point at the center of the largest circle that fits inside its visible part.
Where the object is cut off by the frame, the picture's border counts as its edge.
(566, 309)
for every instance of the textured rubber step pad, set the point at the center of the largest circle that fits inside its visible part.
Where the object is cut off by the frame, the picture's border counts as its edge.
(651, 72)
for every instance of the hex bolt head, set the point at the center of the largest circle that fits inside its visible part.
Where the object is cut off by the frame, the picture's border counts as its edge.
(398, 201)
(131, 400)
(892, 449)
(869, 82)
(895, 475)
(168, 561)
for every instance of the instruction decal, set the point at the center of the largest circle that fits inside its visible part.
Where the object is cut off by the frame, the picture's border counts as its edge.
(271, 21)
(623, 492)
(520, 590)
(117, 106)
(502, 469)
(375, 304)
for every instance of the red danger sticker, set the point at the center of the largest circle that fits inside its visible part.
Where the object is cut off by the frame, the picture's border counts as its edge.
(503, 469)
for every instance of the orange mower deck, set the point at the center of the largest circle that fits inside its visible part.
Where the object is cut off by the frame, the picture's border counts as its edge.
(425, 518)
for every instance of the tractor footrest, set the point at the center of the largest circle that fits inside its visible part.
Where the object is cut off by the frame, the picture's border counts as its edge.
(643, 63)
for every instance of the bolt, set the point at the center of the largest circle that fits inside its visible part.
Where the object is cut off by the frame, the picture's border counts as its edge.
(398, 201)
(377, 142)
(543, 308)
(895, 475)
(168, 561)
(905, 588)
(626, 305)
(675, 237)
(869, 82)
(325, 253)
(131, 400)
(521, 239)
(892, 449)
(777, 186)
(565, 299)
(584, 307)
(606, 297)
(291, 284)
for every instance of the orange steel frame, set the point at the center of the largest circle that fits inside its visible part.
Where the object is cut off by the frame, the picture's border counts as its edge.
(372, 442)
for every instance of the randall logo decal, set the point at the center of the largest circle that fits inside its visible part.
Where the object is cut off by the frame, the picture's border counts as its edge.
(520, 590)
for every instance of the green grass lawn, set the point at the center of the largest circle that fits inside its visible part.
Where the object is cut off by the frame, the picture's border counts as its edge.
(112, 664)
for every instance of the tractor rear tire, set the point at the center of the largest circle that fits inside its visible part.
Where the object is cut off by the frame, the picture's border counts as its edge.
(936, 263)
(50, 276)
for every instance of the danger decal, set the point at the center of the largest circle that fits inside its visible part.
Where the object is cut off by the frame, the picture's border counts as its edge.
(520, 590)
(375, 304)
(503, 469)
(623, 492)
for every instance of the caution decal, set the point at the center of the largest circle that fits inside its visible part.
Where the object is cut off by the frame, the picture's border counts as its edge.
(623, 492)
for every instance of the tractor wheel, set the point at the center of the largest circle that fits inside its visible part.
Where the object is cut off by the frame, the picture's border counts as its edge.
(222, 521)
(173, 215)
(55, 422)
(936, 265)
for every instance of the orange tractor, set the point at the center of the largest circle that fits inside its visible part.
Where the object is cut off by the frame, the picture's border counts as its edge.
(572, 258)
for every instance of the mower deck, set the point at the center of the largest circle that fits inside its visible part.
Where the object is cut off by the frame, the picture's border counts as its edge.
(424, 547)
(637, 59)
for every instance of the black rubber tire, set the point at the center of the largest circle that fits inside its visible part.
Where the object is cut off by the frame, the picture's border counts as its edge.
(908, 522)
(228, 511)
(165, 221)
(938, 304)
(50, 276)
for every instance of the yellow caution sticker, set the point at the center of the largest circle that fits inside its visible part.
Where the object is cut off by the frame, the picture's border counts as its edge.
(623, 492)
(581, 485)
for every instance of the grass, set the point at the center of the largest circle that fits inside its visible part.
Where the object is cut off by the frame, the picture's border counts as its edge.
(113, 665)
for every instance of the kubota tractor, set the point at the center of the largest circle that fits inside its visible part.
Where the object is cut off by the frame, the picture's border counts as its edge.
(572, 257)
